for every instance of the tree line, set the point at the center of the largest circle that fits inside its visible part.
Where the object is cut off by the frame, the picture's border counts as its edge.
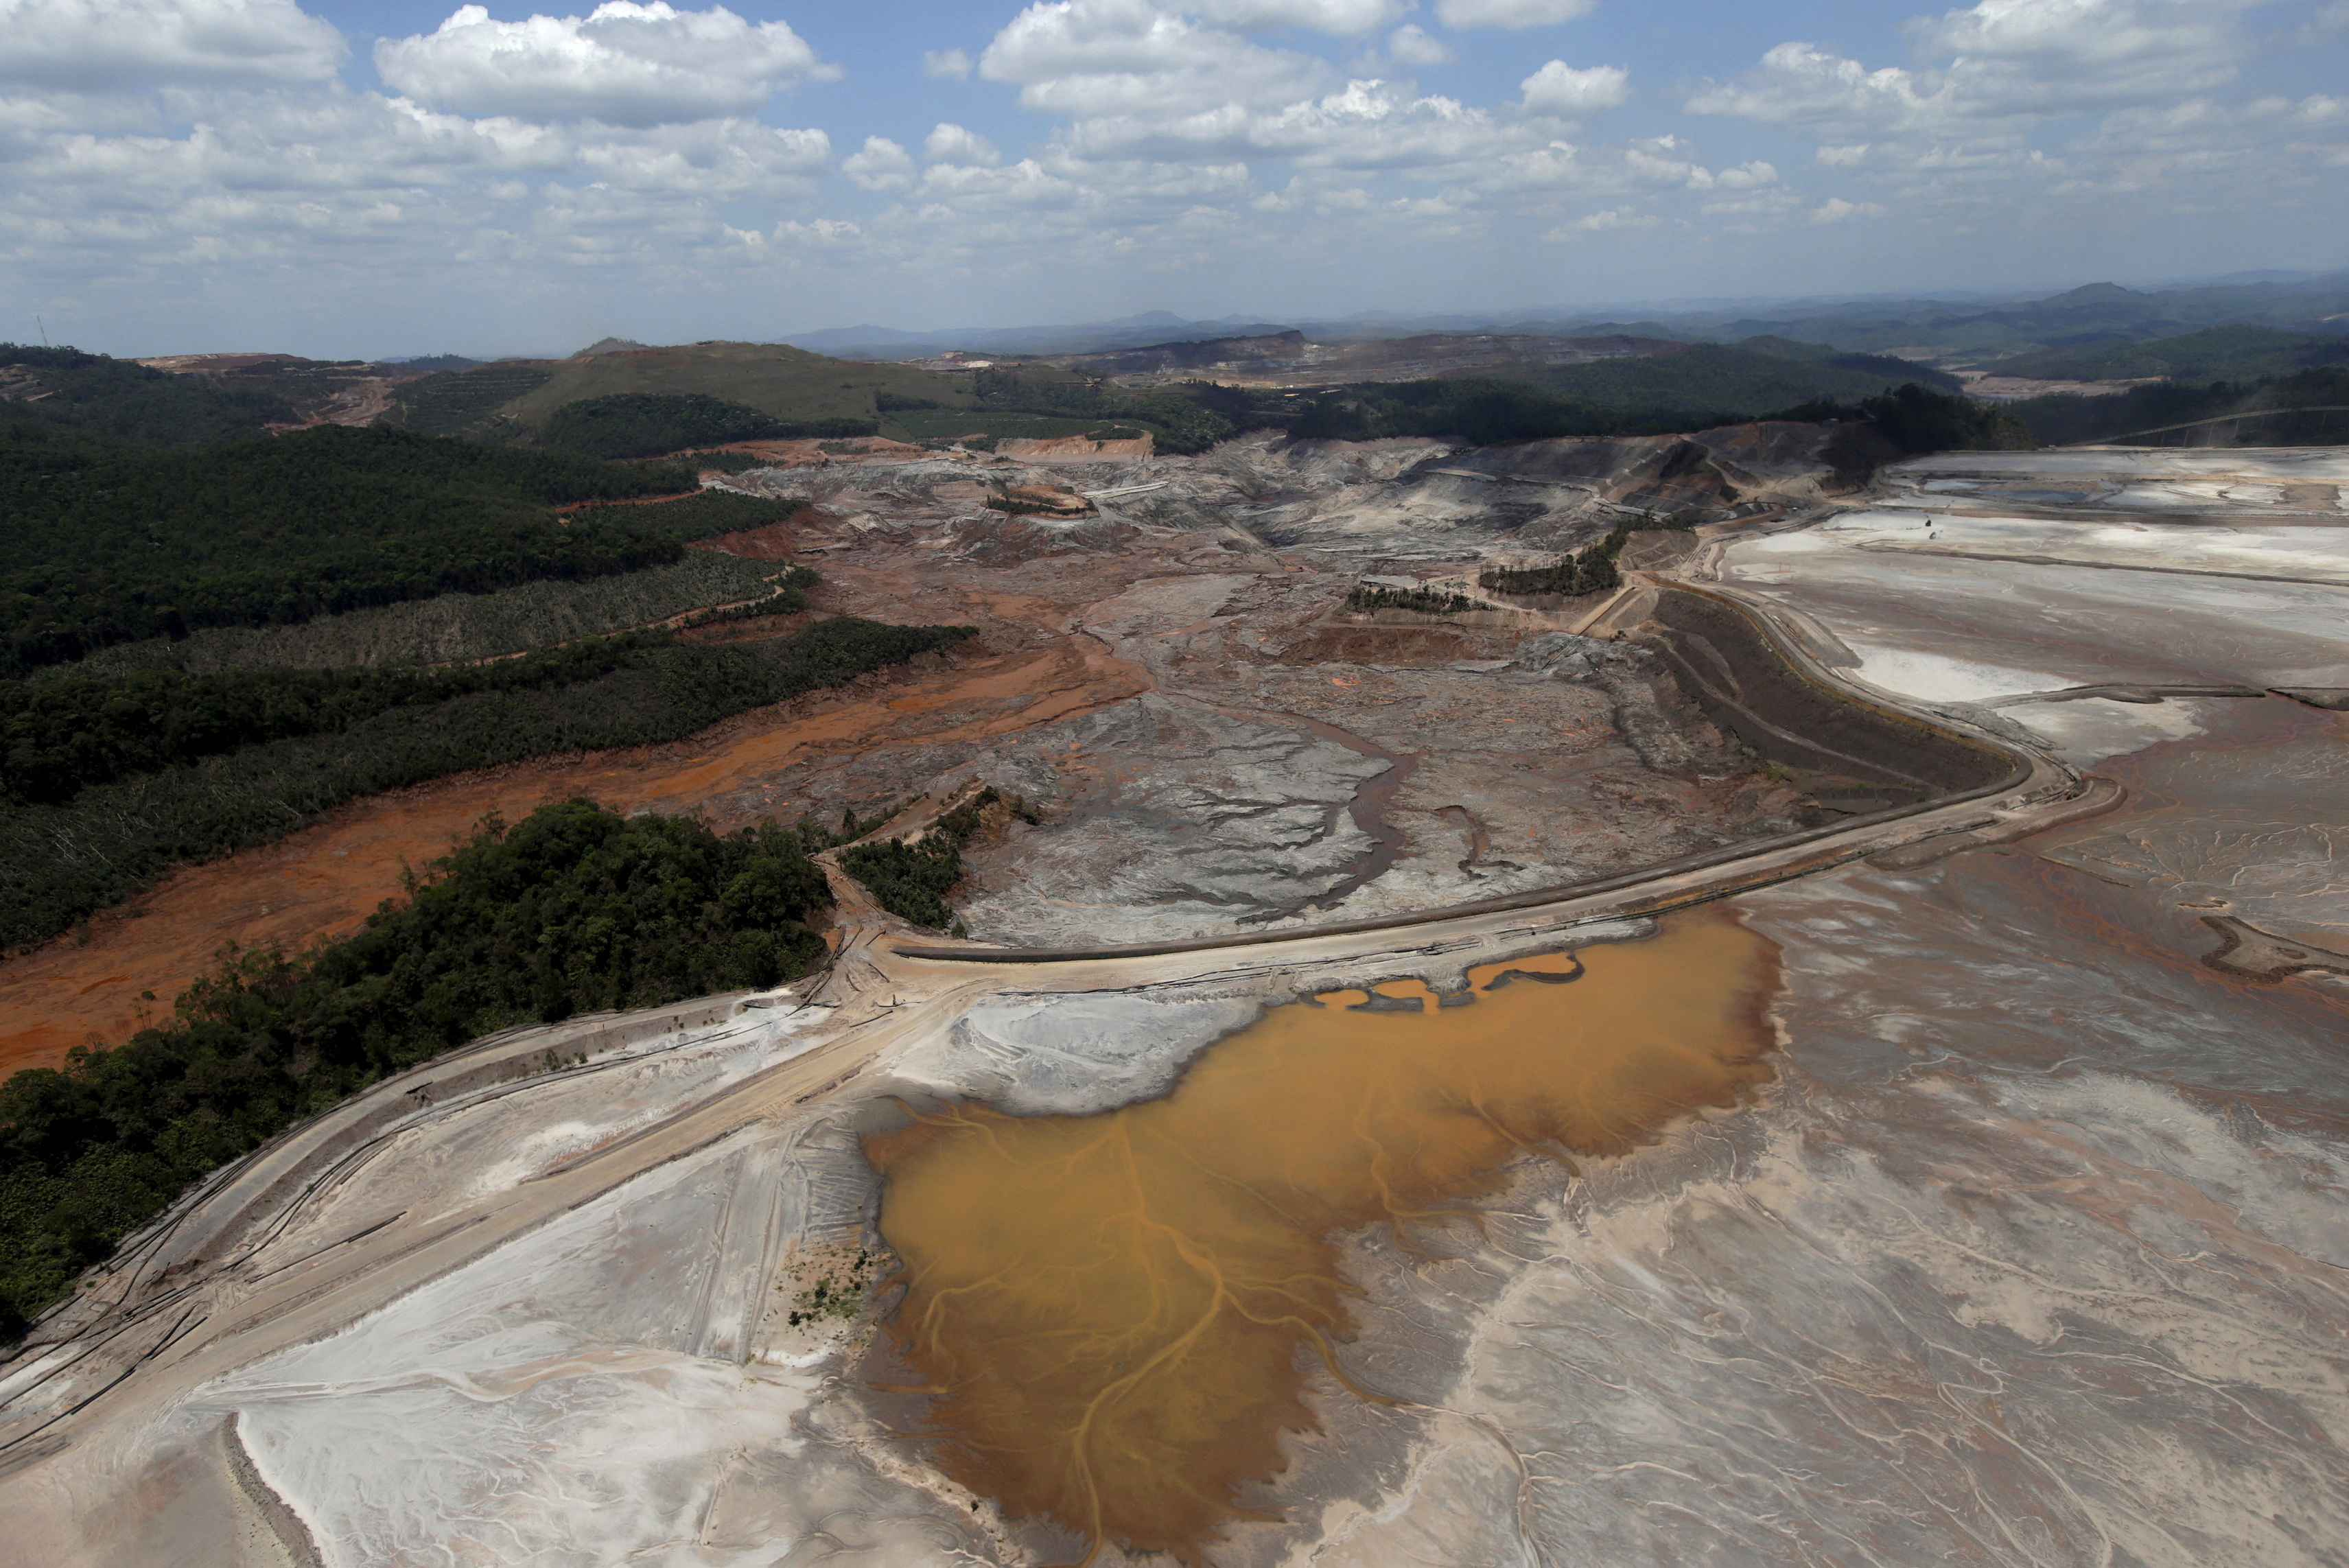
(1590, 570)
(654, 424)
(911, 881)
(110, 542)
(61, 862)
(129, 401)
(575, 909)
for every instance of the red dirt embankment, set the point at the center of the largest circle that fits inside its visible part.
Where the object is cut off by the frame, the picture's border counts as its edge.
(325, 879)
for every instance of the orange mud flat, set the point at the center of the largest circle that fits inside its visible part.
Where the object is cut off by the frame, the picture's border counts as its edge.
(322, 881)
(1112, 1313)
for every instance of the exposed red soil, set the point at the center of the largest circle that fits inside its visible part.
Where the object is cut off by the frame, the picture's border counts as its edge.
(322, 881)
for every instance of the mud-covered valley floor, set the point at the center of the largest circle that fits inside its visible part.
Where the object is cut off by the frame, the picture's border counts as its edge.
(1209, 745)
(1965, 1186)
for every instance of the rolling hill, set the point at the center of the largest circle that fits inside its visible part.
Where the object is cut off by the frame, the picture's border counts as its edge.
(2215, 354)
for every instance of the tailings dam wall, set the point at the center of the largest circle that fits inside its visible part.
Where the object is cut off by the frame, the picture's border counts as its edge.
(1851, 753)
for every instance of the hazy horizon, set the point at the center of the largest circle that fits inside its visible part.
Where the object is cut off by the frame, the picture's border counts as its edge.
(370, 178)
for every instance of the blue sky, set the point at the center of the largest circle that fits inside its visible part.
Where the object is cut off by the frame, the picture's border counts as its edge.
(378, 176)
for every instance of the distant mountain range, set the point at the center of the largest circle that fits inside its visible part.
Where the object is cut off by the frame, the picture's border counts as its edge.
(1964, 330)
(1149, 327)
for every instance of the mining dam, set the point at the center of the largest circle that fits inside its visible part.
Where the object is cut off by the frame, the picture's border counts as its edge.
(1826, 1052)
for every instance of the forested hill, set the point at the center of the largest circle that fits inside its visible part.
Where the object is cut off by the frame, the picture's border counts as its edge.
(110, 541)
(123, 398)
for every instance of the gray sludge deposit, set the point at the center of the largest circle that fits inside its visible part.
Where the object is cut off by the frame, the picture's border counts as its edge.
(2036, 1251)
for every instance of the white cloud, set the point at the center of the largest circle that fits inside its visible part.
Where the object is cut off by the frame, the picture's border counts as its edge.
(1559, 89)
(1365, 125)
(881, 165)
(948, 65)
(1835, 209)
(1511, 12)
(97, 45)
(1088, 58)
(952, 144)
(1413, 45)
(2007, 61)
(624, 64)
(1602, 223)
(1348, 19)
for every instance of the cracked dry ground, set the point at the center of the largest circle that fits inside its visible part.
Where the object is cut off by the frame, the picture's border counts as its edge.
(1209, 754)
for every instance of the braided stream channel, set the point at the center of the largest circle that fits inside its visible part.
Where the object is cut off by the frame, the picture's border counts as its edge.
(1116, 1316)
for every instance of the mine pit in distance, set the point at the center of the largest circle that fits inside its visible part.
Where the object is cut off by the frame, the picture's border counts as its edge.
(1115, 1318)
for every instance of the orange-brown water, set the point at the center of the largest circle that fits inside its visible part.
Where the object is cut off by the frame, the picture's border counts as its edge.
(1117, 1315)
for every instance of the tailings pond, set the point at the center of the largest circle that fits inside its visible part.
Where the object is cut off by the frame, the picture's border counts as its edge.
(1118, 1315)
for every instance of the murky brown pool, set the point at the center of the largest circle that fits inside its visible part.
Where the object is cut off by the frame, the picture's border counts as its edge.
(1117, 1315)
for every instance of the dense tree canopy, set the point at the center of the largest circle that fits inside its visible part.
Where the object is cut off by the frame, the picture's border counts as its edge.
(61, 862)
(123, 398)
(109, 542)
(575, 909)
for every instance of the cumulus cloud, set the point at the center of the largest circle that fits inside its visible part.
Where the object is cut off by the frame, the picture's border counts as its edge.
(1559, 89)
(1414, 46)
(625, 64)
(1835, 209)
(952, 144)
(881, 165)
(2006, 61)
(1366, 124)
(85, 46)
(1602, 223)
(1087, 57)
(1348, 19)
(1511, 12)
(947, 65)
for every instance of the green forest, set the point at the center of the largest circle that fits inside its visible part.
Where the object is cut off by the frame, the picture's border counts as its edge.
(2214, 354)
(911, 881)
(1424, 600)
(110, 542)
(60, 860)
(2063, 419)
(706, 514)
(1743, 378)
(1591, 569)
(654, 424)
(129, 401)
(1477, 409)
(1914, 419)
(574, 909)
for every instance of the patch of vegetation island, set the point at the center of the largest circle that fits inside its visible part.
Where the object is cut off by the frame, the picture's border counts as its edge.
(110, 542)
(574, 909)
(376, 730)
(1424, 600)
(1588, 570)
(911, 881)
